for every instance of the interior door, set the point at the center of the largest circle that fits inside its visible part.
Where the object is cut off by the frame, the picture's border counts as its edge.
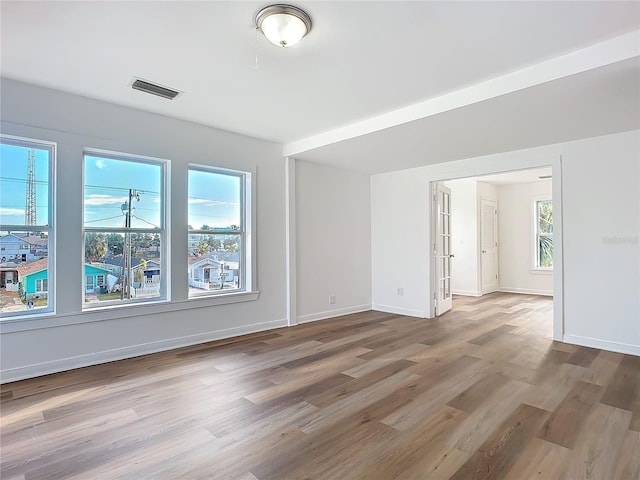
(442, 249)
(489, 245)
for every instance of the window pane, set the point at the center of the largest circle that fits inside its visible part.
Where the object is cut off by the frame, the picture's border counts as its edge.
(214, 263)
(545, 251)
(111, 185)
(24, 185)
(544, 225)
(111, 259)
(545, 217)
(214, 200)
(24, 271)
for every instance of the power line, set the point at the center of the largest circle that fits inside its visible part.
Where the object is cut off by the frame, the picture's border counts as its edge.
(142, 219)
(102, 219)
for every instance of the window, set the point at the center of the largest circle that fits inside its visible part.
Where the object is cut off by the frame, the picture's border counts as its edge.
(26, 225)
(544, 234)
(124, 229)
(219, 253)
(42, 285)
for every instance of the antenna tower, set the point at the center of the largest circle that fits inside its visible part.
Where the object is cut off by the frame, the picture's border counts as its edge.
(30, 209)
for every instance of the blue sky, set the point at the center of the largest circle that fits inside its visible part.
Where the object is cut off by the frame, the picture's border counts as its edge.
(13, 184)
(214, 199)
(107, 182)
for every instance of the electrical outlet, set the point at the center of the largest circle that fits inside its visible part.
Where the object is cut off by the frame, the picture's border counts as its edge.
(400, 291)
(332, 299)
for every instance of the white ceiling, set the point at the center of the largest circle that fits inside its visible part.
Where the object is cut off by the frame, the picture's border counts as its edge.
(361, 61)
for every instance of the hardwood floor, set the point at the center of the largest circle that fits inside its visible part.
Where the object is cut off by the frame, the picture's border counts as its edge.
(480, 393)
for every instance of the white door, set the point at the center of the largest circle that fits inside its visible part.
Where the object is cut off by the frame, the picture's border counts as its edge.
(489, 245)
(442, 249)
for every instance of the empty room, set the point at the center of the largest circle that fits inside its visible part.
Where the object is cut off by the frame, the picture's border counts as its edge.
(319, 240)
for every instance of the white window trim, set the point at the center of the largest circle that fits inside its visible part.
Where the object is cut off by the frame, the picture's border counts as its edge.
(247, 226)
(163, 231)
(535, 269)
(50, 228)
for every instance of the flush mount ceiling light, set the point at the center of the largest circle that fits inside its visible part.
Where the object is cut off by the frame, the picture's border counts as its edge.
(283, 25)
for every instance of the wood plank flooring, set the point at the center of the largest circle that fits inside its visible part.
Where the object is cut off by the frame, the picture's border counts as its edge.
(480, 393)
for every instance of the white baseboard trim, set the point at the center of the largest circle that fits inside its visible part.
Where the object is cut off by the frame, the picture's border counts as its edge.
(63, 364)
(526, 291)
(602, 344)
(313, 317)
(410, 312)
(467, 293)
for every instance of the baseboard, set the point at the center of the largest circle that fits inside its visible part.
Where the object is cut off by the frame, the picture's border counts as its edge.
(602, 344)
(526, 291)
(46, 368)
(313, 317)
(467, 293)
(410, 312)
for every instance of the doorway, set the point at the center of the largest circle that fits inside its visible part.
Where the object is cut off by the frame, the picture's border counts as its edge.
(494, 238)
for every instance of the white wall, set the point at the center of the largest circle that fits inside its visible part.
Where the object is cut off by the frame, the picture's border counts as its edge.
(465, 269)
(399, 243)
(598, 282)
(75, 337)
(516, 245)
(333, 243)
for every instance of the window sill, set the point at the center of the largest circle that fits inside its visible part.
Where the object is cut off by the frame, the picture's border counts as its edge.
(541, 271)
(51, 320)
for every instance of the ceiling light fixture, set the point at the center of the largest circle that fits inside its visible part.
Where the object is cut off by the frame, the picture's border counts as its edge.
(283, 25)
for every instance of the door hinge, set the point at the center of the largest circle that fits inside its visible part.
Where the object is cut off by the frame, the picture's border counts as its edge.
(496, 276)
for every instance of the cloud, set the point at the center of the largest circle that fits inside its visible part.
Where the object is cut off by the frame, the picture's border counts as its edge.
(100, 164)
(210, 203)
(11, 211)
(100, 199)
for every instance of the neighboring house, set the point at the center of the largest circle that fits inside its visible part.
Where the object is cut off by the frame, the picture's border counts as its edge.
(95, 279)
(33, 278)
(150, 269)
(22, 248)
(205, 271)
(9, 276)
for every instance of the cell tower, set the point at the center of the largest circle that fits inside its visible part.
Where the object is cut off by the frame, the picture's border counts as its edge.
(30, 209)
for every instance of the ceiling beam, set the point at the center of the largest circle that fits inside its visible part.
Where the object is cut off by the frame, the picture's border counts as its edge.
(601, 54)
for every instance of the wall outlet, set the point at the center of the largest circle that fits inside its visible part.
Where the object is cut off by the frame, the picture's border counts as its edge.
(400, 291)
(332, 299)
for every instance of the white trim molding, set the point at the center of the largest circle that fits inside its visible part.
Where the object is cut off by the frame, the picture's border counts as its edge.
(526, 291)
(467, 293)
(70, 363)
(602, 344)
(409, 312)
(313, 317)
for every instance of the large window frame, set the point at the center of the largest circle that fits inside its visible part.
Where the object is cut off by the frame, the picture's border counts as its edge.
(539, 236)
(48, 228)
(243, 232)
(127, 231)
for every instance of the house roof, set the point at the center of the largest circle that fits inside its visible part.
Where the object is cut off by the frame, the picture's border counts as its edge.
(216, 257)
(379, 86)
(35, 240)
(116, 260)
(29, 268)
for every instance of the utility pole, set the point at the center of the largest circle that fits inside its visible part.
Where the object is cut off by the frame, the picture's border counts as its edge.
(126, 254)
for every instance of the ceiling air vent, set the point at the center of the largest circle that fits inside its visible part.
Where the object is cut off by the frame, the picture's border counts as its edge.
(154, 89)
